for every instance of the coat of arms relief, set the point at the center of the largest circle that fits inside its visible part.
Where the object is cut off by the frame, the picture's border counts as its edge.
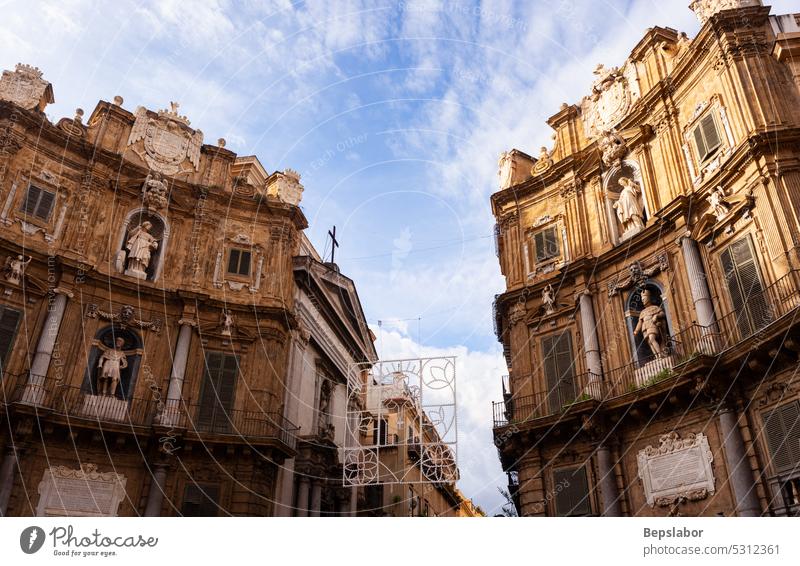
(165, 141)
(613, 94)
(26, 88)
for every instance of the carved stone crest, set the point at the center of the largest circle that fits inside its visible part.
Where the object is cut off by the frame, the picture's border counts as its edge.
(612, 147)
(25, 87)
(609, 102)
(167, 140)
(286, 186)
(704, 9)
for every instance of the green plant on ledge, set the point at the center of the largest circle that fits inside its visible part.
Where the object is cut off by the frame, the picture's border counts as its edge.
(665, 373)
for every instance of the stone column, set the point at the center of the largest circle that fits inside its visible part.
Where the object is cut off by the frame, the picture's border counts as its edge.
(156, 495)
(739, 473)
(34, 391)
(316, 498)
(701, 295)
(591, 346)
(302, 497)
(173, 404)
(7, 478)
(353, 501)
(608, 482)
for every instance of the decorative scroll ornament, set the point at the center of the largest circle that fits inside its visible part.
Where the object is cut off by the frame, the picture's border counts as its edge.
(704, 9)
(125, 316)
(638, 273)
(25, 87)
(168, 141)
(543, 163)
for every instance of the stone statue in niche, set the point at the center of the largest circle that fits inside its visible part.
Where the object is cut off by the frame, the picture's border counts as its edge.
(651, 324)
(14, 269)
(630, 211)
(505, 170)
(140, 246)
(111, 363)
(227, 323)
(719, 204)
(549, 299)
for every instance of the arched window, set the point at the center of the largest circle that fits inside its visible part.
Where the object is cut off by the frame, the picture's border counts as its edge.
(642, 347)
(113, 347)
(142, 245)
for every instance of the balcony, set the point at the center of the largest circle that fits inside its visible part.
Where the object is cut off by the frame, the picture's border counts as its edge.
(231, 424)
(765, 315)
(46, 397)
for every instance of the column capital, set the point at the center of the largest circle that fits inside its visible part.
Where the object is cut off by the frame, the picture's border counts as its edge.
(63, 291)
(687, 235)
(187, 322)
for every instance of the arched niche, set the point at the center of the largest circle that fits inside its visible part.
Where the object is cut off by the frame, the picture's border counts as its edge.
(159, 230)
(642, 353)
(132, 347)
(613, 190)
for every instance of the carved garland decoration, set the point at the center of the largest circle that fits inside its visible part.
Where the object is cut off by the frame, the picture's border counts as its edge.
(125, 316)
(638, 273)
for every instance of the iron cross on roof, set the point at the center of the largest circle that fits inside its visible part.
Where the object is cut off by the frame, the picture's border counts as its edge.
(334, 244)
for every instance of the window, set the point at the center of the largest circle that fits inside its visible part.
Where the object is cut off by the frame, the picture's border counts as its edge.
(239, 262)
(379, 432)
(9, 320)
(744, 287)
(571, 492)
(545, 244)
(782, 431)
(200, 501)
(38, 202)
(219, 386)
(558, 370)
(706, 137)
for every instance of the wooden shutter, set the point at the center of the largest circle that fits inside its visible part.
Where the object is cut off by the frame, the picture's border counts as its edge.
(219, 386)
(710, 133)
(700, 143)
(46, 200)
(571, 490)
(9, 320)
(200, 501)
(31, 199)
(782, 430)
(558, 370)
(744, 287)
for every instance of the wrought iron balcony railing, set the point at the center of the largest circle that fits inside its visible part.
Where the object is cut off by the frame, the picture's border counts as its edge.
(761, 310)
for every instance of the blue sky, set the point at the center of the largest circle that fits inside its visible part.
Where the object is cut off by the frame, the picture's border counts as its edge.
(393, 112)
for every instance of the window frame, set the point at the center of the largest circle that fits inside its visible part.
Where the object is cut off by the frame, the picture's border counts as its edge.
(557, 393)
(33, 214)
(587, 499)
(550, 258)
(241, 254)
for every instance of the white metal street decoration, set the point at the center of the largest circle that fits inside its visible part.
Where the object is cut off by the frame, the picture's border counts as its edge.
(402, 425)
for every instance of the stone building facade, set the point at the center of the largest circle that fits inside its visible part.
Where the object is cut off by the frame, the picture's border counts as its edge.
(146, 316)
(651, 262)
(332, 337)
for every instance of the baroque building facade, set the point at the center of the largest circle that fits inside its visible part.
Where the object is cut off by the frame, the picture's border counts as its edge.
(154, 292)
(649, 320)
